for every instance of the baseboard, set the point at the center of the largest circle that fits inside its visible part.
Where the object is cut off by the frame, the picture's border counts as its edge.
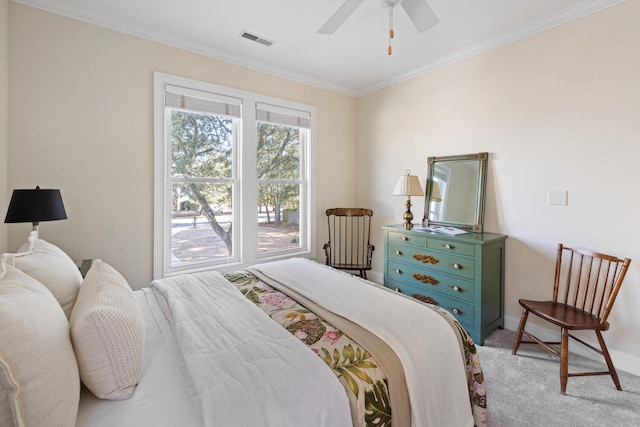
(376, 277)
(622, 361)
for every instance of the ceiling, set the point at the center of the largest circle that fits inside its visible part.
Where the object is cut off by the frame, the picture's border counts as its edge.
(353, 60)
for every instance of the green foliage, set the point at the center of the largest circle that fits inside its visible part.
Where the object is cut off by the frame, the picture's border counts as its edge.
(467, 343)
(377, 407)
(240, 278)
(350, 364)
(278, 152)
(252, 294)
(278, 159)
(243, 282)
(313, 330)
(202, 147)
(353, 364)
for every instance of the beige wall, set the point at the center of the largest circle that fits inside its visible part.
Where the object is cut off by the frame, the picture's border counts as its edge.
(81, 114)
(4, 100)
(557, 111)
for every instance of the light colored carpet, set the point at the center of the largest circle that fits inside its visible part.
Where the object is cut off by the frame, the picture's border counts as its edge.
(524, 390)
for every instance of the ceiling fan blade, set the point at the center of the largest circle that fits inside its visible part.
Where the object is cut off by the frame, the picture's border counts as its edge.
(420, 14)
(341, 15)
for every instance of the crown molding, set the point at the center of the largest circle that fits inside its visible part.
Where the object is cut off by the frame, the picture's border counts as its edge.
(80, 14)
(585, 8)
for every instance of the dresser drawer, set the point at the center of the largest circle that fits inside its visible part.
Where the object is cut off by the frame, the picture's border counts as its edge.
(442, 262)
(463, 312)
(431, 280)
(408, 239)
(451, 247)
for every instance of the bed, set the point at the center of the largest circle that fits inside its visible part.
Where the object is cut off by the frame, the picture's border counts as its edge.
(286, 343)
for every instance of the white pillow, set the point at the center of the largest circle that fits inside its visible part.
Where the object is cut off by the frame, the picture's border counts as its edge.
(39, 381)
(107, 330)
(49, 265)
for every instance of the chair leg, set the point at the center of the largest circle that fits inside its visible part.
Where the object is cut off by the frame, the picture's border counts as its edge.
(607, 357)
(564, 360)
(363, 274)
(523, 321)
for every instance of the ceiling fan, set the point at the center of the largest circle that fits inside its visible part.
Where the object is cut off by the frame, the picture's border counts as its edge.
(418, 11)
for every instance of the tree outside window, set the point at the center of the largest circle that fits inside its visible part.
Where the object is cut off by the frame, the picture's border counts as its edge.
(207, 138)
(278, 172)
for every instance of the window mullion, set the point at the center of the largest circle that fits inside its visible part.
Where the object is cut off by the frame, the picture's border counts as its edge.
(281, 181)
(178, 179)
(248, 182)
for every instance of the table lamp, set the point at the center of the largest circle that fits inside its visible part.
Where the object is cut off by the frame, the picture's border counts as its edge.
(408, 185)
(435, 192)
(35, 205)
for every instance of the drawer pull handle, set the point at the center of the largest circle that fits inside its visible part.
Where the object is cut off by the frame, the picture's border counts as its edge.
(457, 311)
(448, 246)
(457, 289)
(405, 238)
(397, 271)
(398, 290)
(456, 266)
(430, 280)
(426, 259)
(397, 252)
(426, 299)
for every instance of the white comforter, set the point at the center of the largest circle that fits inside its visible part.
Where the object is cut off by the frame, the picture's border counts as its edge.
(248, 370)
(425, 343)
(251, 372)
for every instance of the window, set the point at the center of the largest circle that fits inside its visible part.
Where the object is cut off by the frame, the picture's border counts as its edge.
(233, 178)
(441, 177)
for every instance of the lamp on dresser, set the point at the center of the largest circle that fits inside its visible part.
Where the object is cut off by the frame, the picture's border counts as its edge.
(435, 192)
(408, 185)
(34, 206)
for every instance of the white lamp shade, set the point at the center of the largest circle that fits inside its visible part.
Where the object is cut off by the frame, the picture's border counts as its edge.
(435, 192)
(408, 185)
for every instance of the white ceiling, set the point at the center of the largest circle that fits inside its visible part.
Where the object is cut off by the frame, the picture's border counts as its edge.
(354, 59)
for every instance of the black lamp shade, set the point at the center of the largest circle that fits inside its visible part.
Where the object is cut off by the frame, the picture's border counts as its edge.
(35, 205)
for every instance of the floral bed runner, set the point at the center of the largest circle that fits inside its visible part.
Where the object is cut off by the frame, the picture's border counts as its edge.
(432, 348)
(354, 366)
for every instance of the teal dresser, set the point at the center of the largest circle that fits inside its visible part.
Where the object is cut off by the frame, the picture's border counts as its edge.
(463, 273)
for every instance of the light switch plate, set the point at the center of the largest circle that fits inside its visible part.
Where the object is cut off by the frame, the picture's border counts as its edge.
(557, 197)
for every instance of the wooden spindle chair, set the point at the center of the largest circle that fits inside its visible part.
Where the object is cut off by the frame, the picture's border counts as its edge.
(585, 287)
(349, 247)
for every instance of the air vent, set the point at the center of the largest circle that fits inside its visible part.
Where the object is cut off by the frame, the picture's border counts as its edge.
(247, 35)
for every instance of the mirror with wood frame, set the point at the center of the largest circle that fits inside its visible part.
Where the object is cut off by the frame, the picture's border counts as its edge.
(458, 196)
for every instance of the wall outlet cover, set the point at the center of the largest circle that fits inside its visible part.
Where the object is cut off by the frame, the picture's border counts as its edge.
(557, 197)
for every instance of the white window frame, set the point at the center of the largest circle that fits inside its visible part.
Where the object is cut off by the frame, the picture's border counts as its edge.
(245, 198)
(442, 176)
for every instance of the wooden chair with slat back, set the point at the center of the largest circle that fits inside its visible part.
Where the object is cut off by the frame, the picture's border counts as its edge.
(585, 287)
(349, 247)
